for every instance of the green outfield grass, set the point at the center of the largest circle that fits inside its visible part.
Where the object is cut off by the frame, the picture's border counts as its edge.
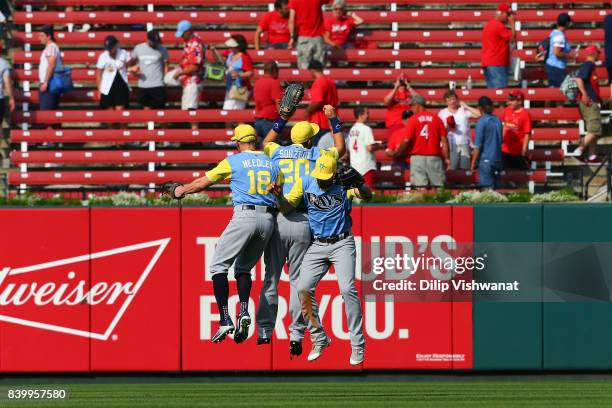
(525, 392)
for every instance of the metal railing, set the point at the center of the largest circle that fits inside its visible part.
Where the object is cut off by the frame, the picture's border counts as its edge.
(607, 164)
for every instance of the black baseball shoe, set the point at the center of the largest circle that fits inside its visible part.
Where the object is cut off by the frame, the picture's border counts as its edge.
(295, 349)
(243, 321)
(263, 340)
(225, 327)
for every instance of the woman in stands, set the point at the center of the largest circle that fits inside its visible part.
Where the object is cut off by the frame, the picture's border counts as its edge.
(340, 26)
(239, 71)
(112, 77)
(50, 60)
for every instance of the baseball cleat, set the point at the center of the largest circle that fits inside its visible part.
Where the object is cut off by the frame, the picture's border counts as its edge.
(317, 349)
(357, 356)
(242, 322)
(295, 349)
(263, 340)
(225, 327)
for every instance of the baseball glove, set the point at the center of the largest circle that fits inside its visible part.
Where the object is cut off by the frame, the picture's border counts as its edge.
(169, 188)
(291, 99)
(349, 177)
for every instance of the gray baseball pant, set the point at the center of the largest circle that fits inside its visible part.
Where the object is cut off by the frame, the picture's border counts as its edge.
(289, 243)
(243, 241)
(317, 261)
(308, 49)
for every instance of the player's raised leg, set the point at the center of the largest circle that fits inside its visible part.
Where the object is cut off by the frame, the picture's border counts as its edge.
(232, 240)
(274, 259)
(297, 237)
(343, 257)
(245, 262)
(315, 266)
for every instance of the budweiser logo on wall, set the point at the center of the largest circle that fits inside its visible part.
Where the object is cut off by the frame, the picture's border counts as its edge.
(91, 286)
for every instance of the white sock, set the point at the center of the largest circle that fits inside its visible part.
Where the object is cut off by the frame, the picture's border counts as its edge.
(578, 151)
(592, 157)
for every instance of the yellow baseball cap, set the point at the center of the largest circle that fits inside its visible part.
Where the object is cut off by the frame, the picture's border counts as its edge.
(244, 133)
(325, 167)
(303, 131)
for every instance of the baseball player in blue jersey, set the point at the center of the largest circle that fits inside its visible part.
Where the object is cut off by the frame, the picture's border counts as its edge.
(292, 238)
(242, 243)
(329, 205)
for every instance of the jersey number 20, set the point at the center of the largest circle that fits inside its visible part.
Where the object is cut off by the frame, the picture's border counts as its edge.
(291, 170)
(260, 181)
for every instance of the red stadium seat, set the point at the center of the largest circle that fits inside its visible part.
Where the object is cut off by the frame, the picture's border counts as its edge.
(216, 3)
(403, 36)
(214, 115)
(345, 95)
(253, 17)
(120, 156)
(202, 135)
(115, 135)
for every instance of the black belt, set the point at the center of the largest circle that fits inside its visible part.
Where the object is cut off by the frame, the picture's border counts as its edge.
(334, 239)
(270, 210)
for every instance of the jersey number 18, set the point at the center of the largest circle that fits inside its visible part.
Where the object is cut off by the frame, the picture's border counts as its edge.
(260, 181)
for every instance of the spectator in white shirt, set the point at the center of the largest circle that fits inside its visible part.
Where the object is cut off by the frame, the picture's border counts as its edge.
(456, 117)
(50, 61)
(361, 146)
(112, 77)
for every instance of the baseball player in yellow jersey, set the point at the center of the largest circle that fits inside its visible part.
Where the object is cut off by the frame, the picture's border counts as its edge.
(242, 243)
(292, 238)
(329, 206)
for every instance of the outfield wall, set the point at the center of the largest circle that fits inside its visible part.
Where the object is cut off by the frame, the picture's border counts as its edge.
(128, 289)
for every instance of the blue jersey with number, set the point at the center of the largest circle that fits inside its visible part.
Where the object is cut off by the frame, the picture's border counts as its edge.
(328, 211)
(250, 173)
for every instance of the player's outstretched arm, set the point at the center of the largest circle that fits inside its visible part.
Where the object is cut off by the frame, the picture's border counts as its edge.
(195, 186)
(336, 127)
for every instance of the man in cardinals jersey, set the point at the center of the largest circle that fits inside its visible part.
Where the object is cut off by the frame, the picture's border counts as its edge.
(276, 24)
(517, 131)
(395, 140)
(397, 101)
(426, 136)
(361, 147)
(322, 92)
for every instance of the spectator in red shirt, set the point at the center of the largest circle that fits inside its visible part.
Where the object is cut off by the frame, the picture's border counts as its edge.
(190, 67)
(340, 25)
(322, 92)
(306, 21)
(397, 102)
(496, 38)
(426, 136)
(516, 132)
(240, 69)
(276, 24)
(401, 161)
(267, 94)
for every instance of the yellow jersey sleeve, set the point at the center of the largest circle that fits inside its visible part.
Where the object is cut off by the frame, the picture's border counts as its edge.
(221, 172)
(295, 195)
(332, 151)
(351, 194)
(270, 148)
